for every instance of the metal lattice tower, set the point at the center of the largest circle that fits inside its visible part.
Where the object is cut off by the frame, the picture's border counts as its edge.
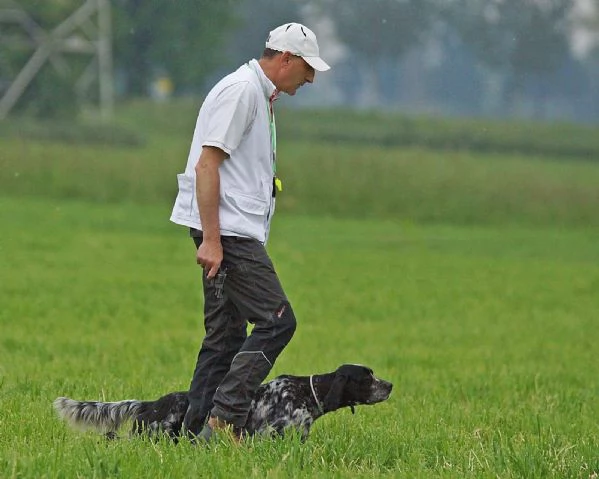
(86, 31)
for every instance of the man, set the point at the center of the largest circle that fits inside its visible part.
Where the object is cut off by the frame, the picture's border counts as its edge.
(227, 198)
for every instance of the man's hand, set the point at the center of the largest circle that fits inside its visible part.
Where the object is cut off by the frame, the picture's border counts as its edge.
(210, 252)
(210, 256)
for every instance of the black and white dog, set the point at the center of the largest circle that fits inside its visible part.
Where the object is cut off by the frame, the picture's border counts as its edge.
(283, 403)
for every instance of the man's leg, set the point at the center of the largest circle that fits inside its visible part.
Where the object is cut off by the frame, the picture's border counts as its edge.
(253, 286)
(225, 334)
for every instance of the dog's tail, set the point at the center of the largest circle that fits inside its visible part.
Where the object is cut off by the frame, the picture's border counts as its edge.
(105, 417)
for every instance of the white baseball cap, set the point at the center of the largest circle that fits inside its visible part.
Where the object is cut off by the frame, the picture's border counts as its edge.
(299, 40)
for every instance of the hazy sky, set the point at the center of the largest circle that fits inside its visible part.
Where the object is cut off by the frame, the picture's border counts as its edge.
(583, 39)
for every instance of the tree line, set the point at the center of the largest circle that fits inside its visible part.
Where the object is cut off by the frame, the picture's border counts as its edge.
(190, 39)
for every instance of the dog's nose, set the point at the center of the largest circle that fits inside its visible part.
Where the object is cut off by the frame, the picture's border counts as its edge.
(388, 387)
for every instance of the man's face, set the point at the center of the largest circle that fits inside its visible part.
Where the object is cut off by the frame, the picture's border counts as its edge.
(293, 73)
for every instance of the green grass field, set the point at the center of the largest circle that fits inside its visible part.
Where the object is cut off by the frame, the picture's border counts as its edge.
(470, 280)
(488, 334)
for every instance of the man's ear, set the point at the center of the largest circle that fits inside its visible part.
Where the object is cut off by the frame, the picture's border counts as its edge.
(332, 400)
(286, 58)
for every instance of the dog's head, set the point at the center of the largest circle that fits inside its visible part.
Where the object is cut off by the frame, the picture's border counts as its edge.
(352, 385)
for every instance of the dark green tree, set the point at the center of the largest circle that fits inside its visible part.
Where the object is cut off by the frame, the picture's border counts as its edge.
(255, 18)
(46, 13)
(183, 37)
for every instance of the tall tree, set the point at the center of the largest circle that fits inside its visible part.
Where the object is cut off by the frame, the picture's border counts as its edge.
(525, 38)
(46, 14)
(254, 19)
(184, 37)
(591, 25)
(379, 30)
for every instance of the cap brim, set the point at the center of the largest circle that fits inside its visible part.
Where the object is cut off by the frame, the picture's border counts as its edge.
(317, 63)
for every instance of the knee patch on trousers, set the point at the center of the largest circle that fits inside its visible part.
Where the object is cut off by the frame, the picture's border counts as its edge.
(285, 318)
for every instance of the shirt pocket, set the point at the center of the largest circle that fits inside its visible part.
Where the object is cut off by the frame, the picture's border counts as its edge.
(253, 205)
(186, 197)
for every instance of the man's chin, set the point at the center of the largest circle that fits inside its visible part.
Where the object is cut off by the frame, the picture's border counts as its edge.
(291, 91)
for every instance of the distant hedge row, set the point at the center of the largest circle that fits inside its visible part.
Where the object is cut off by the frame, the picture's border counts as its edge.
(478, 135)
(351, 177)
(71, 133)
(139, 120)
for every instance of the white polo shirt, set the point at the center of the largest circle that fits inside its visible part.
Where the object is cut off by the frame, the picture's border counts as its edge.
(234, 117)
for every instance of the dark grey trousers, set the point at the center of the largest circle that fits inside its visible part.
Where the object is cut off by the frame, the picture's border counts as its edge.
(231, 365)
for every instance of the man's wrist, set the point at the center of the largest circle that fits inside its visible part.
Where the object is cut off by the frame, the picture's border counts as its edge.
(211, 237)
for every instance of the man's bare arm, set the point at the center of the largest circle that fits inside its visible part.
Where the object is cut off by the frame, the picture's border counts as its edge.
(210, 252)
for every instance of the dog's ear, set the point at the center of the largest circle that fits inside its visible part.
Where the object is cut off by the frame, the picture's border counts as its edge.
(332, 400)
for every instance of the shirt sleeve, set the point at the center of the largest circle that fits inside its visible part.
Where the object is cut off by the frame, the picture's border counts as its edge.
(230, 117)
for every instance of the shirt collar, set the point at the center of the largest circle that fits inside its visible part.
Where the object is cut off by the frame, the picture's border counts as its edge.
(268, 87)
